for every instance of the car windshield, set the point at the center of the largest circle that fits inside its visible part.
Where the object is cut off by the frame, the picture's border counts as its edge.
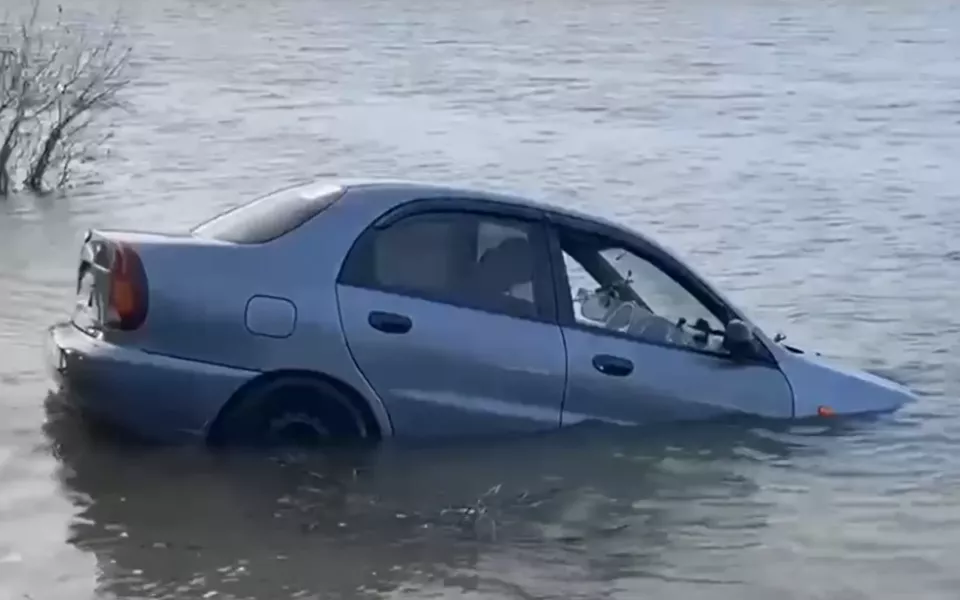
(269, 217)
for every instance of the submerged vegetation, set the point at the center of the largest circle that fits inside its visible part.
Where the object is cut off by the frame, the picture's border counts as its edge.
(55, 81)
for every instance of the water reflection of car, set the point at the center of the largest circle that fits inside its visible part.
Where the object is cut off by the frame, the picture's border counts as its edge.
(366, 309)
(403, 522)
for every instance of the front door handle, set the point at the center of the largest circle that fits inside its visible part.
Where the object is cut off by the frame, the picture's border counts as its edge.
(612, 365)
(389, 322)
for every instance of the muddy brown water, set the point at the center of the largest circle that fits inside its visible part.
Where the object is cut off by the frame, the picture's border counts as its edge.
(800, 153)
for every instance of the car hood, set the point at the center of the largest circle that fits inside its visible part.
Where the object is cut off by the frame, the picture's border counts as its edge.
(818, 382)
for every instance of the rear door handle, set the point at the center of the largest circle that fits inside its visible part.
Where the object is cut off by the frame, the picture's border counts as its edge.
(389, 322)
(612, 365)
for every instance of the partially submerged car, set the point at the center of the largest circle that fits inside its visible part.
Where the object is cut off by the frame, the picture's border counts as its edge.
(370, 309)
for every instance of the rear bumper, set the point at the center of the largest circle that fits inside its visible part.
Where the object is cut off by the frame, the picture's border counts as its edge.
(160, 398)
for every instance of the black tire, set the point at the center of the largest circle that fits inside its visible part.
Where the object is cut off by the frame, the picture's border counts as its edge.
(291, 412)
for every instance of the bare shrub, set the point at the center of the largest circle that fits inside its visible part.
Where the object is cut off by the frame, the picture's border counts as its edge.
(54, 82)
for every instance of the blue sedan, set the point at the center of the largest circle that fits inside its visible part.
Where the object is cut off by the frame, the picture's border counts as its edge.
(360, 310)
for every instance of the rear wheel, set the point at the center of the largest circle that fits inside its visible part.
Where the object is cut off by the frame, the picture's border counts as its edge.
(291, 412)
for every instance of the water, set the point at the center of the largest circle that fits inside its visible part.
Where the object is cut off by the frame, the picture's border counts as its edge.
(800, 153)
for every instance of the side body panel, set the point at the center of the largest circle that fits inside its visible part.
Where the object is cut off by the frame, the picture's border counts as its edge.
(200, 295)
(457, 371)
(200, 292)
(817, 382)
(666, 384)
(449, 368)
(160, 398)
(613, 376)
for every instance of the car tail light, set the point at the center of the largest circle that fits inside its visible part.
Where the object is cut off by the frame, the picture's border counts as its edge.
(127, 306)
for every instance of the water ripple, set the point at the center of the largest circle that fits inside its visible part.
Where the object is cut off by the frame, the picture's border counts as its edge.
(798, 154)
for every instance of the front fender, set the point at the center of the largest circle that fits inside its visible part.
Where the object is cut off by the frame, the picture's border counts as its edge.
(818, 382)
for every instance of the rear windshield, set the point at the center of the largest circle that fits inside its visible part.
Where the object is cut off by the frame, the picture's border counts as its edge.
(271, 216)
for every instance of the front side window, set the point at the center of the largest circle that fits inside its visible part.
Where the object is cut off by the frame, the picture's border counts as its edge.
(470, 260)
(615, 289)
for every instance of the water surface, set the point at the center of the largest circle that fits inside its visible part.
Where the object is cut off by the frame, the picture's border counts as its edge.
(799, 153)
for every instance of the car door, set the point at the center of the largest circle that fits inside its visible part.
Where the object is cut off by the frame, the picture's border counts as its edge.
(632, 363)
(450, 315)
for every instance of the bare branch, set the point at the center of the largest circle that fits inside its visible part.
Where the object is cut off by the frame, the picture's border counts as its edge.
(54, 82)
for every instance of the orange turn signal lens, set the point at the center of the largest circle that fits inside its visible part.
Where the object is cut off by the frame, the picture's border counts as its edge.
(825, 411)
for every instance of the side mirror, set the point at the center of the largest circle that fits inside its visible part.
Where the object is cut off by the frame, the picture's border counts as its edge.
(738, 339)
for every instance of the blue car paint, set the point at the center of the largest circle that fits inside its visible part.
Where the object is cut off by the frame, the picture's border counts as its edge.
(153, 396)
(458, 371)
(818, 382)
(672, 391)
(511, 379)
(271, 317)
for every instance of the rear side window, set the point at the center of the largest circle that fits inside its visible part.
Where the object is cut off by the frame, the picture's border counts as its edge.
(271, 216)
(484, 262)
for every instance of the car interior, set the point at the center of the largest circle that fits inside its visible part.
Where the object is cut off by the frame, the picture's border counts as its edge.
(479, 263)
(607, 299)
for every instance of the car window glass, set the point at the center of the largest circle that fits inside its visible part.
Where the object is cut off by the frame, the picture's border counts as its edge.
(406, 256)
(490, 235)
(469, 260)
(271, 216)
(662, 293)
(583, 286)
(615, 289)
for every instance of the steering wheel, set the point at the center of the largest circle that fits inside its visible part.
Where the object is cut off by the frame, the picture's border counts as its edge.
(700, 326)
(620, 290)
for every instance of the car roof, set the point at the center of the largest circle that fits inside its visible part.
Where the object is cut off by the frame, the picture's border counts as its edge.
(404, 189)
